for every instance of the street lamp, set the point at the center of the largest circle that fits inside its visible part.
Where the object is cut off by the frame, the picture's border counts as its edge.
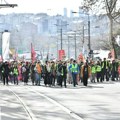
(89, 41)
(74, 35)
(61, 31)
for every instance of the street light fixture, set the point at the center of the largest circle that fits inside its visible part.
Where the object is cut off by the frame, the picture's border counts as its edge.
(61, 30)
(89, 41)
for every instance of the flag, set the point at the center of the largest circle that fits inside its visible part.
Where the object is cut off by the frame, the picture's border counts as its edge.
(1, 58)
(81, 57)
(33, 54)
(111, 54)
(16, 55)
(61, 54)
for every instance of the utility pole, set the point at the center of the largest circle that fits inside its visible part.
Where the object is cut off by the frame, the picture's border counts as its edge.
(89, 42)
(88, 20)
(61, 32)
(68, 47)
(75, 46)
(61, 38)
(83, 36)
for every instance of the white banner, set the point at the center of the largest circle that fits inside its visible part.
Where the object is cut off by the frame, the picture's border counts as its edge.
(5, 45)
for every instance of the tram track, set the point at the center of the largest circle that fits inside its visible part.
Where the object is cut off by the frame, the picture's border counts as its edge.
(72, 114)
(25, 107)
(24, 100)
(30, 113)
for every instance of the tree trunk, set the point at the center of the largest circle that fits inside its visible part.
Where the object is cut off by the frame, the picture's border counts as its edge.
(111, 38)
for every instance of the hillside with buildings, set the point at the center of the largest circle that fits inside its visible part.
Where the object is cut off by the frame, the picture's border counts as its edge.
(45, 32)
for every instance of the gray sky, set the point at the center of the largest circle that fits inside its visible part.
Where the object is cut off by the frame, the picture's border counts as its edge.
(52, 7)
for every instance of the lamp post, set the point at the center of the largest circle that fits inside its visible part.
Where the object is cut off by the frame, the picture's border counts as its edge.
(61, 32)
(88, 20)
(61, 38)
(89, 42)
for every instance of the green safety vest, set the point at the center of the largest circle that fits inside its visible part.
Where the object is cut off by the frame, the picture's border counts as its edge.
(98, 68)
(15, 71)
(93, 69)
(74, 68)
(106, 64)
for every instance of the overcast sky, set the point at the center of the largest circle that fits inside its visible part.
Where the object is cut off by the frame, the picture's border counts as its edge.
(52, 7)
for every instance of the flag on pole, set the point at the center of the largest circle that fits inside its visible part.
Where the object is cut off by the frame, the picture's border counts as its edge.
(33, 54)
(1, 58)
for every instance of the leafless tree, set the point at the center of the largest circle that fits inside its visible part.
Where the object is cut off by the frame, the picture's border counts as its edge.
(112, 10)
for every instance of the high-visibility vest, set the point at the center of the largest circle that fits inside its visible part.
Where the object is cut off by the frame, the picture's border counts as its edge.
(70, 67)
(74, 68)
(93, 69)
(106, 64)
(15, 71)
(98, 69)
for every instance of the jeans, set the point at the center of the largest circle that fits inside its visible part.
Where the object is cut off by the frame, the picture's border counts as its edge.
(74, 76)
(38, 78)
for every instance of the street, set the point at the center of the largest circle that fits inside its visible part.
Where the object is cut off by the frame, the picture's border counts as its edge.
(97, 101)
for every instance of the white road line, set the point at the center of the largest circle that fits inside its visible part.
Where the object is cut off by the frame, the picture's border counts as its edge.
(26, 108)
(68, 111)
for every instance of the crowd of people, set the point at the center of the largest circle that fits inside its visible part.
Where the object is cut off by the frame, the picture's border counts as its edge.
(60, 72)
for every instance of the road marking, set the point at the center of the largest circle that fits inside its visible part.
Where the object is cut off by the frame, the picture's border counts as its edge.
(68, 111)
(26, 108)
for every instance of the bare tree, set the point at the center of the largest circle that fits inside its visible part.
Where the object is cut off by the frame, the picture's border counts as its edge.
(112, 11)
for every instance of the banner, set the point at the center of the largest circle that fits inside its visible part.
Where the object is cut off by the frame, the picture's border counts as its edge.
(61, 54)
(5, 45)
(33, 54)
(81, 57)
(1, 58)
(111, 54)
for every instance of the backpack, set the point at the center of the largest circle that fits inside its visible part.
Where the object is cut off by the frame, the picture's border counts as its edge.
(23, 69)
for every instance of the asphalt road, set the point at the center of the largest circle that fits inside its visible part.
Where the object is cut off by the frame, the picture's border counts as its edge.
(99, 101)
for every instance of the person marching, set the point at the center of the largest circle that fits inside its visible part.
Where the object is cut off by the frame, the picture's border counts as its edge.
(53, 73)
(15, 74)
(5, 72)
(105, 69)
(38, 73)
(98, 72)
(33, 73)
(64, 70)
(75, 71)
(119, 70)
(93, 72)
(85, 73)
